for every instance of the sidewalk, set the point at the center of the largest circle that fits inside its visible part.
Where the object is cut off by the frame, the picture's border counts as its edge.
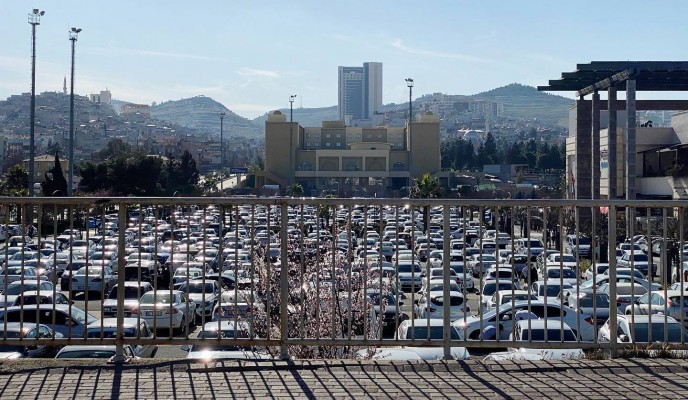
(150, 379)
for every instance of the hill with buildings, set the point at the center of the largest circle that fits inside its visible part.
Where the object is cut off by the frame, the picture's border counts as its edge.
(203, 114)
(516, 102)
(521, 101)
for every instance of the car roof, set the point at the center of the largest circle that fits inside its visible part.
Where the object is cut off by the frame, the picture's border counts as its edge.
(646, 318)
(225, 325)
(112, 323)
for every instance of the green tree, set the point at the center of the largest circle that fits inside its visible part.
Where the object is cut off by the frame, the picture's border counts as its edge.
(296, 190)
(115, 148)
(425, 188)
(15, 182)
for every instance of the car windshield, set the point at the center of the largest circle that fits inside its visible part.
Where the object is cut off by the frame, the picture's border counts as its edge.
(638, 257)
(601, 301)
(583, 241)
(409, 268)
(82, 317)
(677, 301)
(110, 333)
(453, 287)
(556, 273)
(552, 290)
(12, 270)
(376, 299)
(151, 298)
(564, 258)
(130, 292)
(421, 332)
(453, 300)
(197, 288)
(491, 288)
(552, 335)
(92, 271)
(519, 297)
(87, 354)
(674, 332)
(14, 290)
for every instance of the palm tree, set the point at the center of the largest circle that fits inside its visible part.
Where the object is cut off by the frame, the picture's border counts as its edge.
(296, 190)
(425, 188)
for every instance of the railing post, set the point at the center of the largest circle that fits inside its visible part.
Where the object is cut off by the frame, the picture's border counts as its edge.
(613, 310)
(446, 326)
(121, 261)
(284, 283)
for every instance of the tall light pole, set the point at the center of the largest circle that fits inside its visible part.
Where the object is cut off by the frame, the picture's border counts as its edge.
(291, 140)
(34, 19)
(222, 153)
(73, 36)
(409, 83)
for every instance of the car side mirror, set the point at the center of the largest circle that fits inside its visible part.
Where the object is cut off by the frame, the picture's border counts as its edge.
(506, 318)
(185, 347)
(624, 339)
(401, 303)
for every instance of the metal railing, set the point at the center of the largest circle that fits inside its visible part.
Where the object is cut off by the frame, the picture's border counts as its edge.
(309, 278)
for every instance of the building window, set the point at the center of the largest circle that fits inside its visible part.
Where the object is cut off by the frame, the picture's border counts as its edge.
(400, 145)
(339, 135)
(327, 144)
(308, 144)
(379, 136)
(339, 144)
(369, 135)
(327, 135)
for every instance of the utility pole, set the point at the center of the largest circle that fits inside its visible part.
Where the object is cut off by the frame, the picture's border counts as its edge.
(73, 36)
(34, 19)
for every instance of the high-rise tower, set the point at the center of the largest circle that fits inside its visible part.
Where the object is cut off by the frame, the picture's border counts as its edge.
(360, 91)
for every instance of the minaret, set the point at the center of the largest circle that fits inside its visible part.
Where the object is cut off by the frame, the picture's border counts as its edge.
(64, 87)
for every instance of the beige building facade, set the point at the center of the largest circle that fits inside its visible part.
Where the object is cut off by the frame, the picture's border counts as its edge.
(346, 160)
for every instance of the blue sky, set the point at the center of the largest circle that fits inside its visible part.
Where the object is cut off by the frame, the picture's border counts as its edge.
(251, 55)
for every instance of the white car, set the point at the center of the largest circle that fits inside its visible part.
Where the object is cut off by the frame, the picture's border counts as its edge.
(472, 327)
(204, 293)
(162, 309)
(15, 289)
(431, 305)
(232, 349)
(183, 274)
(534, 330)
(555, 274)
(93, 279)
(558, 259)
(507, 296)
(644, 329)
(91, 351)
(235, 304)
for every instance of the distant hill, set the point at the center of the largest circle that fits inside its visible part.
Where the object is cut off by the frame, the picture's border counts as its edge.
(203, 113)
(519, 101)
(527, 102)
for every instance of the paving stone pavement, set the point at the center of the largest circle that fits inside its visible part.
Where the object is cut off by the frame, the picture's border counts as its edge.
(159, 379)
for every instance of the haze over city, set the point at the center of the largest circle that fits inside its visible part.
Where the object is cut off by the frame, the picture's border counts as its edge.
(252, 56)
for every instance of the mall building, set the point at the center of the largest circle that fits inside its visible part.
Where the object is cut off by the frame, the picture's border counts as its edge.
(349, 161)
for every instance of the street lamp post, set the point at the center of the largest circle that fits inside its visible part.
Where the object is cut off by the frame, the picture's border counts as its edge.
(409, 83)
(73, 36)
(34, 19)
(222, 153)
(291, 140)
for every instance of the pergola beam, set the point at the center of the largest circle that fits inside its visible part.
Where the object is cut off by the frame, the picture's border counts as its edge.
(607, 83)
